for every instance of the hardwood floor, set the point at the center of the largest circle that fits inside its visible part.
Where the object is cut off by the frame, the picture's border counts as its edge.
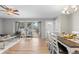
(29, 46)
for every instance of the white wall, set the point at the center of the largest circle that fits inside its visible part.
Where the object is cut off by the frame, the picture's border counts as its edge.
(75, 21)
(8, 27)
(63, 23)
(58, 25)
(49, 27)
(9, 24)
(1, 30)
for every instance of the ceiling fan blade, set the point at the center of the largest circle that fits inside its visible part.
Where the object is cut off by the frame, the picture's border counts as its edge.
(2, 10)
(16, 13)
(12, 13)
(15, 10)
(3, 6)
(9, 10)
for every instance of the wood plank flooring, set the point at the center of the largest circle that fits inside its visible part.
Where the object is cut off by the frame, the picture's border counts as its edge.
(29, 46)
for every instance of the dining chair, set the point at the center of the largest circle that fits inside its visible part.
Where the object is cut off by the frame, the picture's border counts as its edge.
(54, 44)
(49, 43)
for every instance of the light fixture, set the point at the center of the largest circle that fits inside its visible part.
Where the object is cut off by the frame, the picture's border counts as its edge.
(70, 9)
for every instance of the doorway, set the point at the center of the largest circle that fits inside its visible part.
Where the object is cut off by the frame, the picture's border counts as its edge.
(32, 29)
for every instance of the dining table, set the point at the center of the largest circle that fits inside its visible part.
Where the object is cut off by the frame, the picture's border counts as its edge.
(72, 45)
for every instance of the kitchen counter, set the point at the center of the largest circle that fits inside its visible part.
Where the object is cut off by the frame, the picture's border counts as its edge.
(6, 39)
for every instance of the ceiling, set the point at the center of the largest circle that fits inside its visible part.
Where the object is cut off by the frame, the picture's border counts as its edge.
(34, 11)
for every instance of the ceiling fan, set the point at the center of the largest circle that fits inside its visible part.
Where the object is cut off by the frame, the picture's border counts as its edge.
(9, 11)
